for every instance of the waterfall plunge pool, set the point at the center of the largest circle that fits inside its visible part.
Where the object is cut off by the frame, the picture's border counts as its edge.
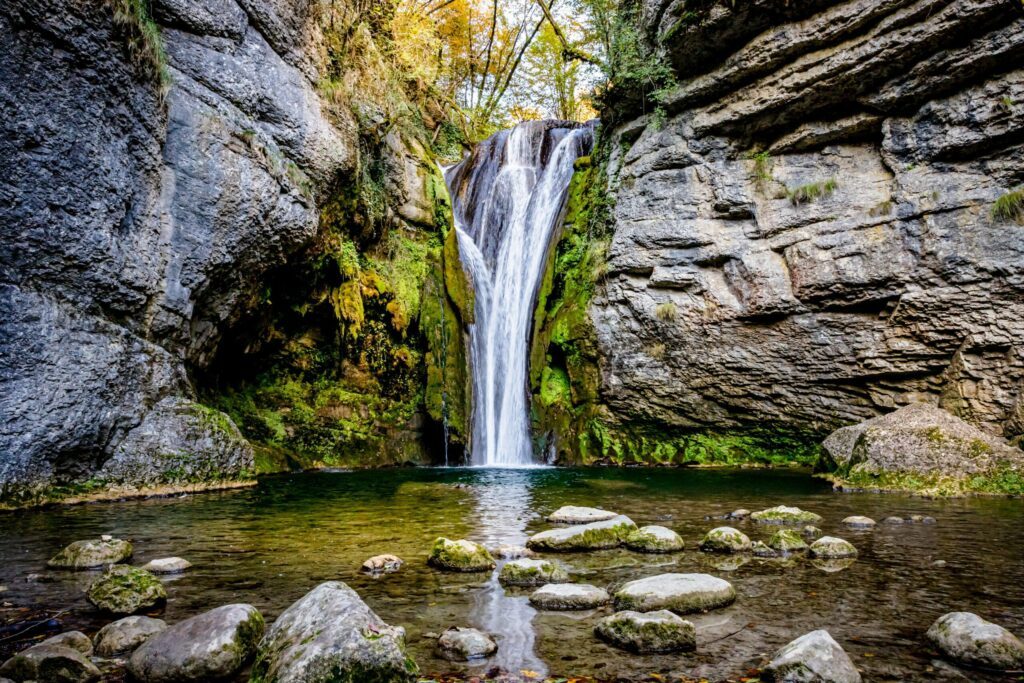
(271, 544)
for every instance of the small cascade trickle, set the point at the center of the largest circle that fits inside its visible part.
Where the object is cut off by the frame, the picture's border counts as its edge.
(508, 198)
(444, 366)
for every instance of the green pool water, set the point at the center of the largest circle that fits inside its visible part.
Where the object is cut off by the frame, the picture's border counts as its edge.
(271, 544)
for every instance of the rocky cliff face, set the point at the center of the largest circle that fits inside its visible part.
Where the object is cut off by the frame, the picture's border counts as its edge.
(804, 233)
(147, 191)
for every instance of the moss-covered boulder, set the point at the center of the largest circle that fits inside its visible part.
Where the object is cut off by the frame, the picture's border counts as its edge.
(761, 549)
(126, 590)
(647, 632)
(925, 449)
(681, 593)
(91, 554)
(725, 539)
(968, 639)
(594, 536)
(832, 548)
(569, 596)
(784, 514)
(527, 572)
(654, 539)
(211, 646)
(460, 556)
(787, 541)
(332, 635)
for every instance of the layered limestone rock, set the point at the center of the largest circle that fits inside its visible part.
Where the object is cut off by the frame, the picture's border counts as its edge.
(803, 235)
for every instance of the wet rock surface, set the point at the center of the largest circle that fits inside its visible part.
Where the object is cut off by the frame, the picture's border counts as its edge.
(967, 638)
(125, 635)
(787, 541)
(57, 663)
(832, 548)
(91, 554)
(593, 536)
(644, 632)
(167, 565)
(654, 539)
(680, 593)
(812, 658)
(859, 522)
(213, 645)
(382, 564)
(530, 572)
(460, 556)
(569, 596)
(783, 514)
(332, 629)
(126, 590)
(465, 644)
(725, 539)
(572, 514)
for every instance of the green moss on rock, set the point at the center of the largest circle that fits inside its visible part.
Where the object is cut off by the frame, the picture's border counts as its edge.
(460, 556)
(126, 590)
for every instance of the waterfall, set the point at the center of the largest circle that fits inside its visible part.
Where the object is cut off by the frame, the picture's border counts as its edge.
(508, 198)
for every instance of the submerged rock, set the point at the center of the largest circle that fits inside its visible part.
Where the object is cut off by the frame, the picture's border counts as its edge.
(569, 596)
(49, 663)
(644, 632)
(729, 562)
(572, 514)
(859, 522)
(742, 513)
(922, 519)
(126, 590)
(811, 533)
(760, 549)
(832, 548)
(207, 647)
(332, 630)
(782, 514)
(812, 658)
(654, 539)
(91, 554)
(527, 572)
(594, 536)
(512, 552)
(893, 520)
(460, 556)
(967, 638)
(167, 565)
(382, 564)
(681, 593)
(463, 644)
(787, 541)
(125, 635)
(725, 539)
(833, 566)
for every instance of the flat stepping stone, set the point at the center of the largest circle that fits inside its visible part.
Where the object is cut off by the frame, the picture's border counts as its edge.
(654, 539)
(610, 533)
(787, 541)
(813, 658)
(967, 638)
(460, 556)
(167, 565)
(573, 514)
(382, 564)
(859, 522)
(465, 644)
(680, 593)
(783, 514)
(91, 554)
(725, 539)
(647, 632)
(832, 548)
(569, 596)
(527, 572)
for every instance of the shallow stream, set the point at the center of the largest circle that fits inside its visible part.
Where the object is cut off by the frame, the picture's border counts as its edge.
(270, 544)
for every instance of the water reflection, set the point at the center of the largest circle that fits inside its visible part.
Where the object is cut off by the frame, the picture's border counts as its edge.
(504, 507)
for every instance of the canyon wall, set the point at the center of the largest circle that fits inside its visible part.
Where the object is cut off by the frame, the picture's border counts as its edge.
(804, 232)
(154, 173)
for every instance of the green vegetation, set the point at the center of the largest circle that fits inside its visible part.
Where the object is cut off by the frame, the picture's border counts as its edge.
(1004, 480)
(1010, 207)
(134, 22)
(762, 167)
(811, 192)
(666, 312)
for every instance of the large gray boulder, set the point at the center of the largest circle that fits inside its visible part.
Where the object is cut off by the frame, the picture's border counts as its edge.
(126, 590)
(680, 593)
(332, 630)
(814, 657)
(125, 635)
(919, 439)
(609, 533)
(647, 632)
(967, 638)
(47, 663)
(91, 554)
(210, 646)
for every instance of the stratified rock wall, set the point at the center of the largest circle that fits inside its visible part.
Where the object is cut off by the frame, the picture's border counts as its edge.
(806, 239)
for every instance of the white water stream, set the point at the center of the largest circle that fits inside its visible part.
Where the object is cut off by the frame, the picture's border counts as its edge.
(508, 199)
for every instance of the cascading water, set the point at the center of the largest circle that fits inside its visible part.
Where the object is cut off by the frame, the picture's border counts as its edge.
(508, 198)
